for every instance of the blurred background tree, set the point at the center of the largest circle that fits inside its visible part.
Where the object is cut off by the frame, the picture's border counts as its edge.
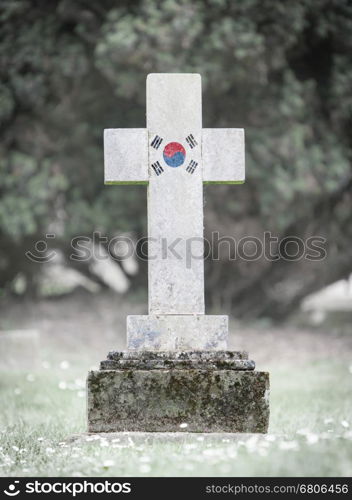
(281, 70)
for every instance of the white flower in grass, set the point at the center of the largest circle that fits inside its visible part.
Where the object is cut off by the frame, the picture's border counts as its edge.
(183, 425)
(62, 385)
(30, 377)
(231, 453)
(189, 446)
(80, 382)
(49, 450)
(212, 452)
(288, 445)
(345, 424)
(303, 432)
(40, 439)
(251, 443)
(15, 448)
(328, 421)
(64, 365)
(144, 468)
(262, 452)
(108, 463)
(312, 438)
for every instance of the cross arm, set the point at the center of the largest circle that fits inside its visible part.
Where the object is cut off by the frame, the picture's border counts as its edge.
(223, 155)
(125, 156)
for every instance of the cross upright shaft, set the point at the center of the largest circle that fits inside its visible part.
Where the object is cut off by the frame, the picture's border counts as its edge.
(175, 197)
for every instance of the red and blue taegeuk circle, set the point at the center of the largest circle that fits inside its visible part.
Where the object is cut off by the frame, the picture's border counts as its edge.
(174, 154)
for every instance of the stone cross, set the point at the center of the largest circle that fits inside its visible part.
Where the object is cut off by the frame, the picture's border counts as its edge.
(174, 156)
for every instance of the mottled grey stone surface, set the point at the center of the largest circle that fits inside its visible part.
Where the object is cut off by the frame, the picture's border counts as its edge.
(126, 156)
(177, 332)
(175, 198)
(223, 155)
(215, 398)
(179, 364)
(185, 355)
(180, 360)
(163, 400)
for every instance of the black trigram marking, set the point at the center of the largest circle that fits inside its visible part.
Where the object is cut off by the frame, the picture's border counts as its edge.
(156, 142)
(158, 169)
(191, 166)
(191, 141)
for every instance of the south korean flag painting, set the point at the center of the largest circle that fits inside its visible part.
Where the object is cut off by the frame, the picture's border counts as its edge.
(174, 156)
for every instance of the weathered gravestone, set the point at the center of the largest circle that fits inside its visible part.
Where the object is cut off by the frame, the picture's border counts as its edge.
(177, 373)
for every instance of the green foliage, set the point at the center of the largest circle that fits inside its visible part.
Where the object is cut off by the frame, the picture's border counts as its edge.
(70, 69)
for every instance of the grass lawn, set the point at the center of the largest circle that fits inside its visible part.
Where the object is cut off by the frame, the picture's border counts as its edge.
(310, 433)
(43, 405)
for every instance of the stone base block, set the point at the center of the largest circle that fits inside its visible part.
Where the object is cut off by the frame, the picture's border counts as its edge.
(197, 395)
(177, 332)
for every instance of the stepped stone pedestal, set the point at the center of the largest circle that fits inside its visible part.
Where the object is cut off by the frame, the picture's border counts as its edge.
(192, 391)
